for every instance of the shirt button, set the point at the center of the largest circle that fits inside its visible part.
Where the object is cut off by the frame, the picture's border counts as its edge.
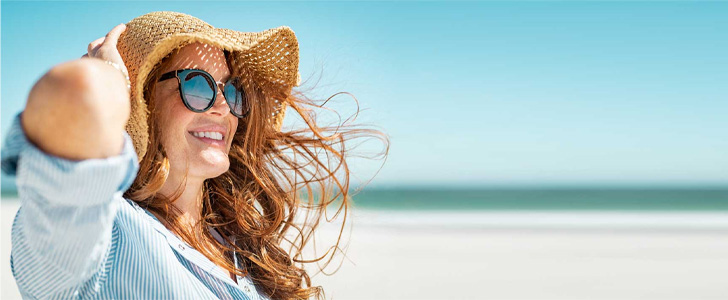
(247, 289)
(181, 247)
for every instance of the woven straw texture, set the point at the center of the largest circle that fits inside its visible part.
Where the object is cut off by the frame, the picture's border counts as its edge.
(269, 58)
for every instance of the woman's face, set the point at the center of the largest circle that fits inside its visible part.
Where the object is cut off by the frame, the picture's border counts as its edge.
(206, 158)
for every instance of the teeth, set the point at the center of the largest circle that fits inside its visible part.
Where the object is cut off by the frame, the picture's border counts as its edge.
(209, 135)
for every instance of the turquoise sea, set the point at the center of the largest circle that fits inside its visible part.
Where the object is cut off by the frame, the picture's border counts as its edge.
(557, 199)
(541, 199)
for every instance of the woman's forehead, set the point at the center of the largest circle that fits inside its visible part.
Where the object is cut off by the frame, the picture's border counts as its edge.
(200, 56)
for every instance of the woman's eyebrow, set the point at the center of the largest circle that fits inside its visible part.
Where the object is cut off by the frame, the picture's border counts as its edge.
(209, 71)
(224, 79)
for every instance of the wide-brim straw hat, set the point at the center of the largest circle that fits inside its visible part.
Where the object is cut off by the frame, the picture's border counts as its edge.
(269, 58)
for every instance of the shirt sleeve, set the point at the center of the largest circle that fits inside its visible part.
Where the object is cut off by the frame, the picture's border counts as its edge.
(62, 231)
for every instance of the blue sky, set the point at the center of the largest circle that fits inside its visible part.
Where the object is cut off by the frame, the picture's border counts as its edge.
(471, 93)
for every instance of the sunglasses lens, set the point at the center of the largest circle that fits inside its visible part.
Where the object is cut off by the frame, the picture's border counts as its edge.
(198, 89)
(236, 99)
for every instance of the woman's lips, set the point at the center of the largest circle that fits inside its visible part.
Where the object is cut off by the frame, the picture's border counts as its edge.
(209, 141)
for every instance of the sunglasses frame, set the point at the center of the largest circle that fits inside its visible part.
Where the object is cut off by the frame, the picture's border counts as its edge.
(181, 73)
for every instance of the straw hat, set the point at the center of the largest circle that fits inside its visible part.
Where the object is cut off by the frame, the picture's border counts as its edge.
(269, 58)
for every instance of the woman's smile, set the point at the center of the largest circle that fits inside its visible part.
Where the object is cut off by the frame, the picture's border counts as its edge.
(209, 138)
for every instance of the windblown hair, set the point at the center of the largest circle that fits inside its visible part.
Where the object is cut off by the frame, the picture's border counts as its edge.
(279, 185)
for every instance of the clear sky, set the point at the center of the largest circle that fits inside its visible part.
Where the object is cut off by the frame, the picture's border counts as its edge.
(471, 93)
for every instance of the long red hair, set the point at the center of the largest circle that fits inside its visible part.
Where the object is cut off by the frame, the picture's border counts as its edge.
(278, 186)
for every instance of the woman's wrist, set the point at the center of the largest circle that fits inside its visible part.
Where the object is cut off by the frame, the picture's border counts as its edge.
(123, 72)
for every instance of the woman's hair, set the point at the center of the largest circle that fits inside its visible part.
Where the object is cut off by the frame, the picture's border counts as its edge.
(273, 196)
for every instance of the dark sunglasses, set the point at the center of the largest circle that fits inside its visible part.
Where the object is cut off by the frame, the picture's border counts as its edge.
(199, 91)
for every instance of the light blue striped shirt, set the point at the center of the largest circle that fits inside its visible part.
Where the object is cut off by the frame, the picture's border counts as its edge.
(76, 236)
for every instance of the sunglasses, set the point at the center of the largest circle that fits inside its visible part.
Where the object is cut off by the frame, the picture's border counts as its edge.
(199, 91)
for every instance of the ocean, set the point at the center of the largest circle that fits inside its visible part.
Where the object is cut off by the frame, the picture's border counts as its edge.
(533, 199)
(542, 209)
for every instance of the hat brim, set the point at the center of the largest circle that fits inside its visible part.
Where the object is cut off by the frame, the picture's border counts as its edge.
(270, 56)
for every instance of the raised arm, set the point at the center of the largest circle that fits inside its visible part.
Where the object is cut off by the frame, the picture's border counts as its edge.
(79, 108)
(73, 161)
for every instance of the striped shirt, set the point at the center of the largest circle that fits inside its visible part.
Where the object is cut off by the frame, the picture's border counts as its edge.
(76, 236)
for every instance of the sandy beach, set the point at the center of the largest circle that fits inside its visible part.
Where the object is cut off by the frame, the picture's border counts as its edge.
(516, 255)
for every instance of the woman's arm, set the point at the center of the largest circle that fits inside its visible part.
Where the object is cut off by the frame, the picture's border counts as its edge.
(73, 161)
(77, 110)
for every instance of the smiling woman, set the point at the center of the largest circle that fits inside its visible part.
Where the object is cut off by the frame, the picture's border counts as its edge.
(190, 139)
(205, 198)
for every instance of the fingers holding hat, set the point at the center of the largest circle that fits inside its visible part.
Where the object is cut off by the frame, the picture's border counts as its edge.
(113, 36)
(94, 46)
(104, 48)
(111, 39)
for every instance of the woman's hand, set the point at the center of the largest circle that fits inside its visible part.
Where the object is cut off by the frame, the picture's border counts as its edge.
(104, 48)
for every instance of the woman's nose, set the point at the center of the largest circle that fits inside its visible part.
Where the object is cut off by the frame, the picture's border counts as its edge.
(220, 106)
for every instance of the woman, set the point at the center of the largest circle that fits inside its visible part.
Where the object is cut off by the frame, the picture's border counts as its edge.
(156, 167)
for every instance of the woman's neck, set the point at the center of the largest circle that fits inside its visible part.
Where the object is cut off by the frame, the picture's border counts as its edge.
(190, 201)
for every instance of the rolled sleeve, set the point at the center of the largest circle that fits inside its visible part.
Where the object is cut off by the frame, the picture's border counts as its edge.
(69, 182)
(63, 228)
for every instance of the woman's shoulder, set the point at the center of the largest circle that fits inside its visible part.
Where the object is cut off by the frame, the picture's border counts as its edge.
(129, 205)
(131, 216)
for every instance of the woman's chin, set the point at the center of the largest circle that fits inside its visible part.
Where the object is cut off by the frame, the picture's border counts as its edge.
(214, 161)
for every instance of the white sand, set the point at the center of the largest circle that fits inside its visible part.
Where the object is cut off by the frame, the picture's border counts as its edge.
(517, 256)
